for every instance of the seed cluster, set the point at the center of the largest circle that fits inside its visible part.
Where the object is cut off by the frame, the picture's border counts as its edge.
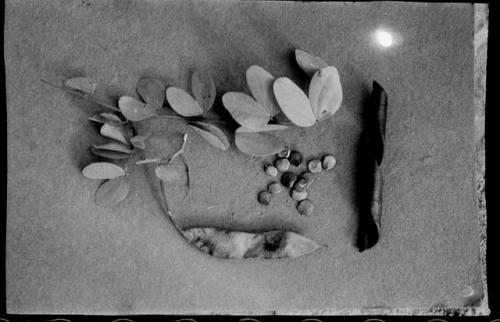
(297, 184)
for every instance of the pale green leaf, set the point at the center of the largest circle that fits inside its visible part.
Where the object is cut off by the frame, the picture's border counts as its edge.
(113, 132)
(203, 88)
(134, 110)
(325, 92)
(111, 117)
(169, 173)
(258, 144)
(112, 146)
(293, 102)
(265, 128)
(103, 170)
(245, 110)
(183, 103)
(109, 154)
(138, 141)
(112, 192)
(309, 63)
(260, 83)
(82, 84)
(212, 134)
(152, 91)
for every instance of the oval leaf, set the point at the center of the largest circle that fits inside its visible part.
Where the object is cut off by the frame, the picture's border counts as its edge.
(112, 192)
(152, 91)
(169, 173)
(245, 110)
(325, 92)
(138, 141)
(81, 84)
(134, 110)
(258, 144)
(212, 134)
(103, 170)
(111, 117)
(109, 154)
(113, 132)
(112, 146)
(293, 102)
(183, 103)
(265, 128)
(260, 83)
(309, 63)
(203, 88)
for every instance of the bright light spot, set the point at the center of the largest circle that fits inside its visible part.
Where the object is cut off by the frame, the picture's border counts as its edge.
(384, 38)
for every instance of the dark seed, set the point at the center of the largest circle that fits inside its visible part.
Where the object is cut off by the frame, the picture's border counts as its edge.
(305, 207)
(264, 198)
(288, 179)
(295, 158)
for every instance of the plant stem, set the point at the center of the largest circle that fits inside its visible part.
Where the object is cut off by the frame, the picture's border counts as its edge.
(166, 160)
(81, 95)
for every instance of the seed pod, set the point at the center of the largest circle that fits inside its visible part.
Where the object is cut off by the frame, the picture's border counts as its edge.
(282, 164)
(295, 158)
(264, 198)
(271, 170)
(301, 184)
(299, 195)
(288, 179)
(274, 188)
(314, 166)
(329, 162)
(283, 153)
(305, 207)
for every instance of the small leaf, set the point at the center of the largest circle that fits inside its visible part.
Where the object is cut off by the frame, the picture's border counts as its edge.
(203, 88)
(152, 91)
(134, 110)
(111, 117)
(258, 144)
(103, 170)
(325, 92)
(260, 83)
(109, 154)
(81, 84)
(265, 128)
(183, 103)
(112, 192)
(138, 141)
(168, 173)
(309, 63)
(113, 132)
(112, 146)
(245, 110)
(212, 134)
(97, 118)
(293, 102)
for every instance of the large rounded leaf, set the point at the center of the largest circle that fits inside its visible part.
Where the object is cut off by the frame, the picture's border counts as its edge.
(258, 144)
(212, 134)
(183, 103)
(82, 84)
(112, 192)
(260, 83)
(309, 63)
(245, 110)
(103, 170)
(134, 110)
(152, 91)
(325, 92)
(293, 102)
(203, 88)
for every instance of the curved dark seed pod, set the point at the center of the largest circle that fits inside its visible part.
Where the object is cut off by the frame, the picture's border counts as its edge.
(374, 142)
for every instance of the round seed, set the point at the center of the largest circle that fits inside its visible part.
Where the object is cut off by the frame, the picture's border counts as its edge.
(314, 166)
(305, 207)
(329, 162)
(299, 195)
(274, 188)
(288, 179)
(282, 164)
(264, 198)
(295, 158)
(284, 153)
(271, 170)
(301, 184)
(308, 176)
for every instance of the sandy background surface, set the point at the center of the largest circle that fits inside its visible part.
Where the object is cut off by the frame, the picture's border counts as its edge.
(67, 255)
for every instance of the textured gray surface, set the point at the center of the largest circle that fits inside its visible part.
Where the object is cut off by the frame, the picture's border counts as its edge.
(66, 255)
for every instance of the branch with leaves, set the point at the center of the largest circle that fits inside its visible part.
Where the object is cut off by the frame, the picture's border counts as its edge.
(256, 116)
